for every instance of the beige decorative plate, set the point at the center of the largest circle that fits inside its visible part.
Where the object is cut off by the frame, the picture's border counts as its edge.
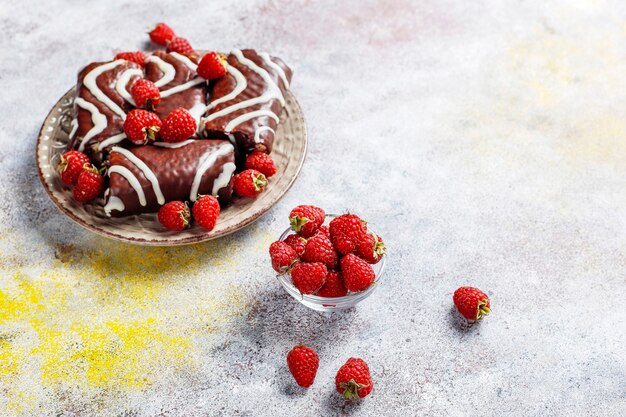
(288, 152)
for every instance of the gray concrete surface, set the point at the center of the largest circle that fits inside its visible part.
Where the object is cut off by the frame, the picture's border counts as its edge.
(485, 140)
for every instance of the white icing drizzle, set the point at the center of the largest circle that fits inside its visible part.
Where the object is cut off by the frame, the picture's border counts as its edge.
(241, 85)
(232, 139)
(132, 180)
(168, 70)
(182, 87)
(173, 145)
(196, 112)
(114, 203)
(224, 178)
(279, 70)
(257, 133)
(206, 162)
(74, 124)
(145, 169)
(185, 60)
(112, 140)
(122, 83)
(90, 82)
(98, 119)
(250, 115)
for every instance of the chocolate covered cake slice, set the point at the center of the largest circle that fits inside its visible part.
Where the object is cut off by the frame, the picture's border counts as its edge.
(175, 76)
(143, 178)
(247, 101)
(100, 106)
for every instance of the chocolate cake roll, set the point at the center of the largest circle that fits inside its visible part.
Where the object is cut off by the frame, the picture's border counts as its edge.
(246, 103)
(100, 107)
(175, 76)
(143, 178)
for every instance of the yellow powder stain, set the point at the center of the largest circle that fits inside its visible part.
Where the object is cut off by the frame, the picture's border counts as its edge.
(600, 138)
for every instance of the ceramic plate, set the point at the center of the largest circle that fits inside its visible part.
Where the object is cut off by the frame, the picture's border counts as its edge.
(288, 152)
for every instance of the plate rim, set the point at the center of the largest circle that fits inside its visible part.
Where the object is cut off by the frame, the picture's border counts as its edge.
(165, 243)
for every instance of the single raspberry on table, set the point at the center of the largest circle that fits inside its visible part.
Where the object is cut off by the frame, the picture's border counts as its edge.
(358, 275)
(249, 183)
(89, 185)
(472, 303)
(283, 256)
(181, 46)
(145, 94)
(179, 125)
(161, 34)
(174, 215)
(353, 379)
(334, 286)
(212, 66)
(297, 242)
(70, 166)
(307, 277)
(319, 248)
(370, 248)
(141, 126)
(306, 219)
(205, 211)
(303, 363)
(262, 162)
(346, 231)
(137, 57)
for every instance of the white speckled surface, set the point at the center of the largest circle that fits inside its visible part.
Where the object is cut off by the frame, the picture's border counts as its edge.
(486, 142)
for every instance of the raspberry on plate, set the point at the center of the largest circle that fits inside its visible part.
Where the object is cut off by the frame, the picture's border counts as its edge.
(308, 278)
(346, 231)
(181, 46)
(212, 66)
(353, 380)
(141, 126)
(283, 256)
(370, 248)
(205, 211)
(161, 34)
(303, 363)
(249, 183)
(178, 126)
(137, 57)
(358, 275)
(72, 163)
(334, 286)
(262, 162)
(306, 219)
(319, 248)
(472, 303)
(174, 215)
(88, 186)
(145, 94)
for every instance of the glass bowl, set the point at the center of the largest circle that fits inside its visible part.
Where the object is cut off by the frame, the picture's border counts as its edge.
(318, 303)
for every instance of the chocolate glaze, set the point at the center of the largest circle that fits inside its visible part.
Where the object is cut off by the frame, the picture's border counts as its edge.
(105, 82)
(187, 98)
(244, 133)
(175, 170)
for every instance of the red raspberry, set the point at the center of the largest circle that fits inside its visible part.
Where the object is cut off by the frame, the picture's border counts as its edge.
(145, 94)
(179, 125)
(89, 185)
(137, 57)
(319, 248)
(181, 46)
(353, 379)
(308, 278)
(174, 215)
(303, 363)
(71, 165)
(334, 286)
(371, 248)
(206, 210)
(161, 34)
(346, 231)
(212, 66)
(358, 275)
(324, 230)
(283, 256)
(297, 242)
(249, 183)
(306, 219)
(472, 303)
(262, 162)
(141, 126)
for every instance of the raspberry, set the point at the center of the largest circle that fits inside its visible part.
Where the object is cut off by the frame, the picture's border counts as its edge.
(89, 185)
(303, 363)
(145, 94)
(249, 183)
(174, 215)
(161, 34)
(179, 125)
(370, 248)
(137, 57)
(346, 231)
(283, 256)
(71, 165)
(308, 278)
(353, 379)
(472, 303)
(141, 126)
(319, 248)
(206, 210)
(306, 219)
(212, 66)
(334, 286)
(181, 46)
(358, 275)
(262, 162)
(297, 242)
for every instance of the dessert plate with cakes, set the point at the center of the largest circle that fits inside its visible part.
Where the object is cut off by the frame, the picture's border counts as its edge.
(173, 147)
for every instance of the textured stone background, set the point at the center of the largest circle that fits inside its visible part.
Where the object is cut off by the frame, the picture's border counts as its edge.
(487, 144)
